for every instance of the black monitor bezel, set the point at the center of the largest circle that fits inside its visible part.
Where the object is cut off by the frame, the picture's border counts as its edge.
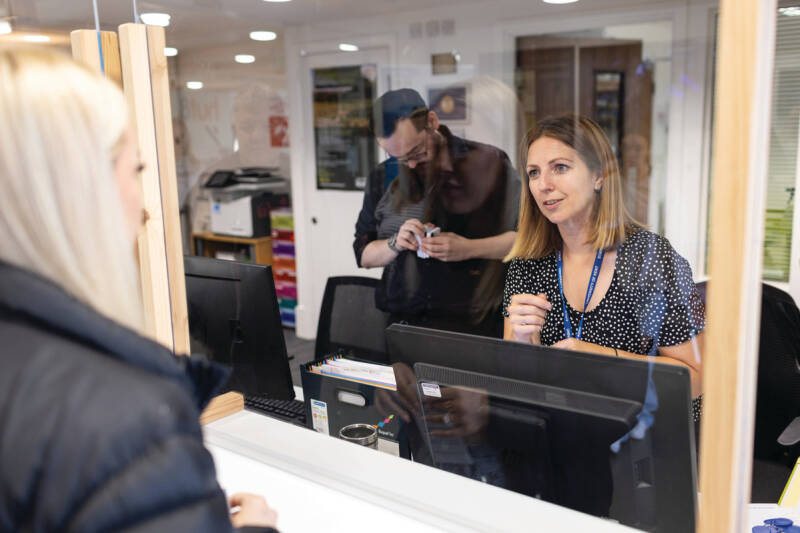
(252, 276)
(673, 432)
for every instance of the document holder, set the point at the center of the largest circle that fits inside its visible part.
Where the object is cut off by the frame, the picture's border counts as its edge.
(333, 403)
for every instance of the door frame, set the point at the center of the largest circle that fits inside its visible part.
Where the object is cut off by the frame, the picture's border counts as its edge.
(300, 56)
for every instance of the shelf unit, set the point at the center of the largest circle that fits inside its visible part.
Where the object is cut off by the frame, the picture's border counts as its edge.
(257, 250)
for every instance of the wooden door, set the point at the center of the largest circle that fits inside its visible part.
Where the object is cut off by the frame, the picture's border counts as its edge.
(636, 107)
(557, 75)
(546, 79)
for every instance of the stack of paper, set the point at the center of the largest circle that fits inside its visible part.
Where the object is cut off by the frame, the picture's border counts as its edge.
(381, 376)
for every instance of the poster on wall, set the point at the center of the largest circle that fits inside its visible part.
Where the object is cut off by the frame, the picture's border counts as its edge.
(279, 132)
(451, 104)
(344, 147)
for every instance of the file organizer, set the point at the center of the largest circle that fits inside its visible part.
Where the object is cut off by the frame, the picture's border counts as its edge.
(283, 263)
(333, 403)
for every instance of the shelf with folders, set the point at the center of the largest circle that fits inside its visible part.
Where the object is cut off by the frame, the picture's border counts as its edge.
(284, 268)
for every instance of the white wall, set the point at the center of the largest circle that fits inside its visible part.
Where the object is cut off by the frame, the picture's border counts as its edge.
(207, 114)
(484, 37)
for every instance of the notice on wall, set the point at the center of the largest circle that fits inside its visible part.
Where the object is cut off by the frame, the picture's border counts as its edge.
(345, 149)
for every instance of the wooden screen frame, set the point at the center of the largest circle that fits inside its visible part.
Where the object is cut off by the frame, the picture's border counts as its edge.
(137, 62)
(746, 42)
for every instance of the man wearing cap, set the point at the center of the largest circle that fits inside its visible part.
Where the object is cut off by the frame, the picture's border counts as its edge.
(469, 190)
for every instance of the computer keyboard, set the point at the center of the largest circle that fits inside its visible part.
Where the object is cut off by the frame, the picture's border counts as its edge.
(293, 411)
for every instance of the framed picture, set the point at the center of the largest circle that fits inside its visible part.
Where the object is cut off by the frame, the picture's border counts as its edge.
(346, 150)
(451, 103)
(443, 63)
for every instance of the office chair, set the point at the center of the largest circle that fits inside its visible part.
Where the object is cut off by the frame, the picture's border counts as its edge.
(776, 446)
(349, 321)
(776, 443)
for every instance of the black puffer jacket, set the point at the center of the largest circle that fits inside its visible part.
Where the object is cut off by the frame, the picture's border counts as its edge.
(98, 426)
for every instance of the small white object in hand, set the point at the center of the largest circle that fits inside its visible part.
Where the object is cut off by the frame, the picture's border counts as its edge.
(421, 254)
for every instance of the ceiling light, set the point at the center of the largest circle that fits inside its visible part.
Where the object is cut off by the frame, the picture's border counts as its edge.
(155, 19)
(347, 47)
(5, 27)
(263, 35)
(194, 85)
(37, 38)
(559, 1)
(170, 52)
(244, 58)
(277, 1)
(793, 11)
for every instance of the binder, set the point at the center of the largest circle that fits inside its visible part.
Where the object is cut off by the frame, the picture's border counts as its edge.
(334, 401)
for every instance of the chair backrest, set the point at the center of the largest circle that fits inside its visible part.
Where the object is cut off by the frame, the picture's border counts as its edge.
(778, 396)
(349, 321)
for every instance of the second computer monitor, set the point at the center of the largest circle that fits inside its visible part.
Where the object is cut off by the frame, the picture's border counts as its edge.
(234, 320)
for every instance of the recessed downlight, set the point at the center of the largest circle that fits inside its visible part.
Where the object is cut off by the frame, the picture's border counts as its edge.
(37, 38)
(263, 35)
(559, 1)
(347, 47)
(170, 52)
(244, 58)
(277, 1)
(155, 19)
(194, 85)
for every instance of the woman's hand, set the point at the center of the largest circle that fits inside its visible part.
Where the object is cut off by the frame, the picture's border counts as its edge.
(407, 235)
(526, 315)
(253, 511)
(447, 247)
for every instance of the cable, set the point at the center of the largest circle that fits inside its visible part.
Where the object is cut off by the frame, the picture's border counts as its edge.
(99, 41)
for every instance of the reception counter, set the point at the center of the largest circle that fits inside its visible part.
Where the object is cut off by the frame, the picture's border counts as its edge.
(318, 483)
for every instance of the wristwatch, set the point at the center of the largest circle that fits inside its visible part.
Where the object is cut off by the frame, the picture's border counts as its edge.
(392, 242)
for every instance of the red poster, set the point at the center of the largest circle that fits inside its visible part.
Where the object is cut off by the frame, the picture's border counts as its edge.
(278, 132)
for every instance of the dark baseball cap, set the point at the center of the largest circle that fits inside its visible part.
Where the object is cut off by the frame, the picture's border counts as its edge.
(392, 107)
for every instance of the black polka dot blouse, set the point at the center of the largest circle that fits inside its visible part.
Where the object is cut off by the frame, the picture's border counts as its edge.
(652, 300)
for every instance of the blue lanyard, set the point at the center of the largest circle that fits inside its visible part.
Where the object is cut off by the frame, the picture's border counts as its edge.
(598, 262)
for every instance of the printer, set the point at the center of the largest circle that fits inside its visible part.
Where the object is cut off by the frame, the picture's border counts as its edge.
(241, 200)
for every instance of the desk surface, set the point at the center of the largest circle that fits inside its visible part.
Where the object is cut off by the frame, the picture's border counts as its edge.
(318, 483)
(254, 453)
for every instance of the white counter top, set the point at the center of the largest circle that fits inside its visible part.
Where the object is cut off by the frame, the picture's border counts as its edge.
(318, 483)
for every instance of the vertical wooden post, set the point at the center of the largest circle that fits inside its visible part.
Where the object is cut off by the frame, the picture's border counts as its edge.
(144, 73)
(738, 192)
(85, 50)
(170, 203)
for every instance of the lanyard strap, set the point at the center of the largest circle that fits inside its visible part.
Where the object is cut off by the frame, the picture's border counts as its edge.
(598, 262)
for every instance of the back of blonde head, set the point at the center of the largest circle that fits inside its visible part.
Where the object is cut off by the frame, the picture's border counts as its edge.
(60, 210)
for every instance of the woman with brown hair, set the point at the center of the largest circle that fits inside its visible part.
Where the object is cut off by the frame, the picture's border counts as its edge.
(585, 276)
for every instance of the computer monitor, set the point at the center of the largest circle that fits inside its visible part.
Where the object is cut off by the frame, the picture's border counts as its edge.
(604, 435)
(234, 320)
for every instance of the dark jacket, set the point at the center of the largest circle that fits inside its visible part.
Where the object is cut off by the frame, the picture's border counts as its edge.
(446, 295)
(99, 426)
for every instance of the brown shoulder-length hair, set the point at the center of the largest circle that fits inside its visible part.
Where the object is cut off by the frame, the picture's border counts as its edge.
(537, 236)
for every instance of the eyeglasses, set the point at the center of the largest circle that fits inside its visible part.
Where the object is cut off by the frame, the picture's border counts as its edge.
(418, 153)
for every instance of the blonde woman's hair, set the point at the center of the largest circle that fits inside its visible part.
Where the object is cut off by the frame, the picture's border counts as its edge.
(537, 236)
(61, 214)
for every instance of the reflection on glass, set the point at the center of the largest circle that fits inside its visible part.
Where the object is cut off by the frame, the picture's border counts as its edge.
(618, 76)
(452, 151)
(606, 436)
(439, 214)
(782, 170)
(344, 147)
